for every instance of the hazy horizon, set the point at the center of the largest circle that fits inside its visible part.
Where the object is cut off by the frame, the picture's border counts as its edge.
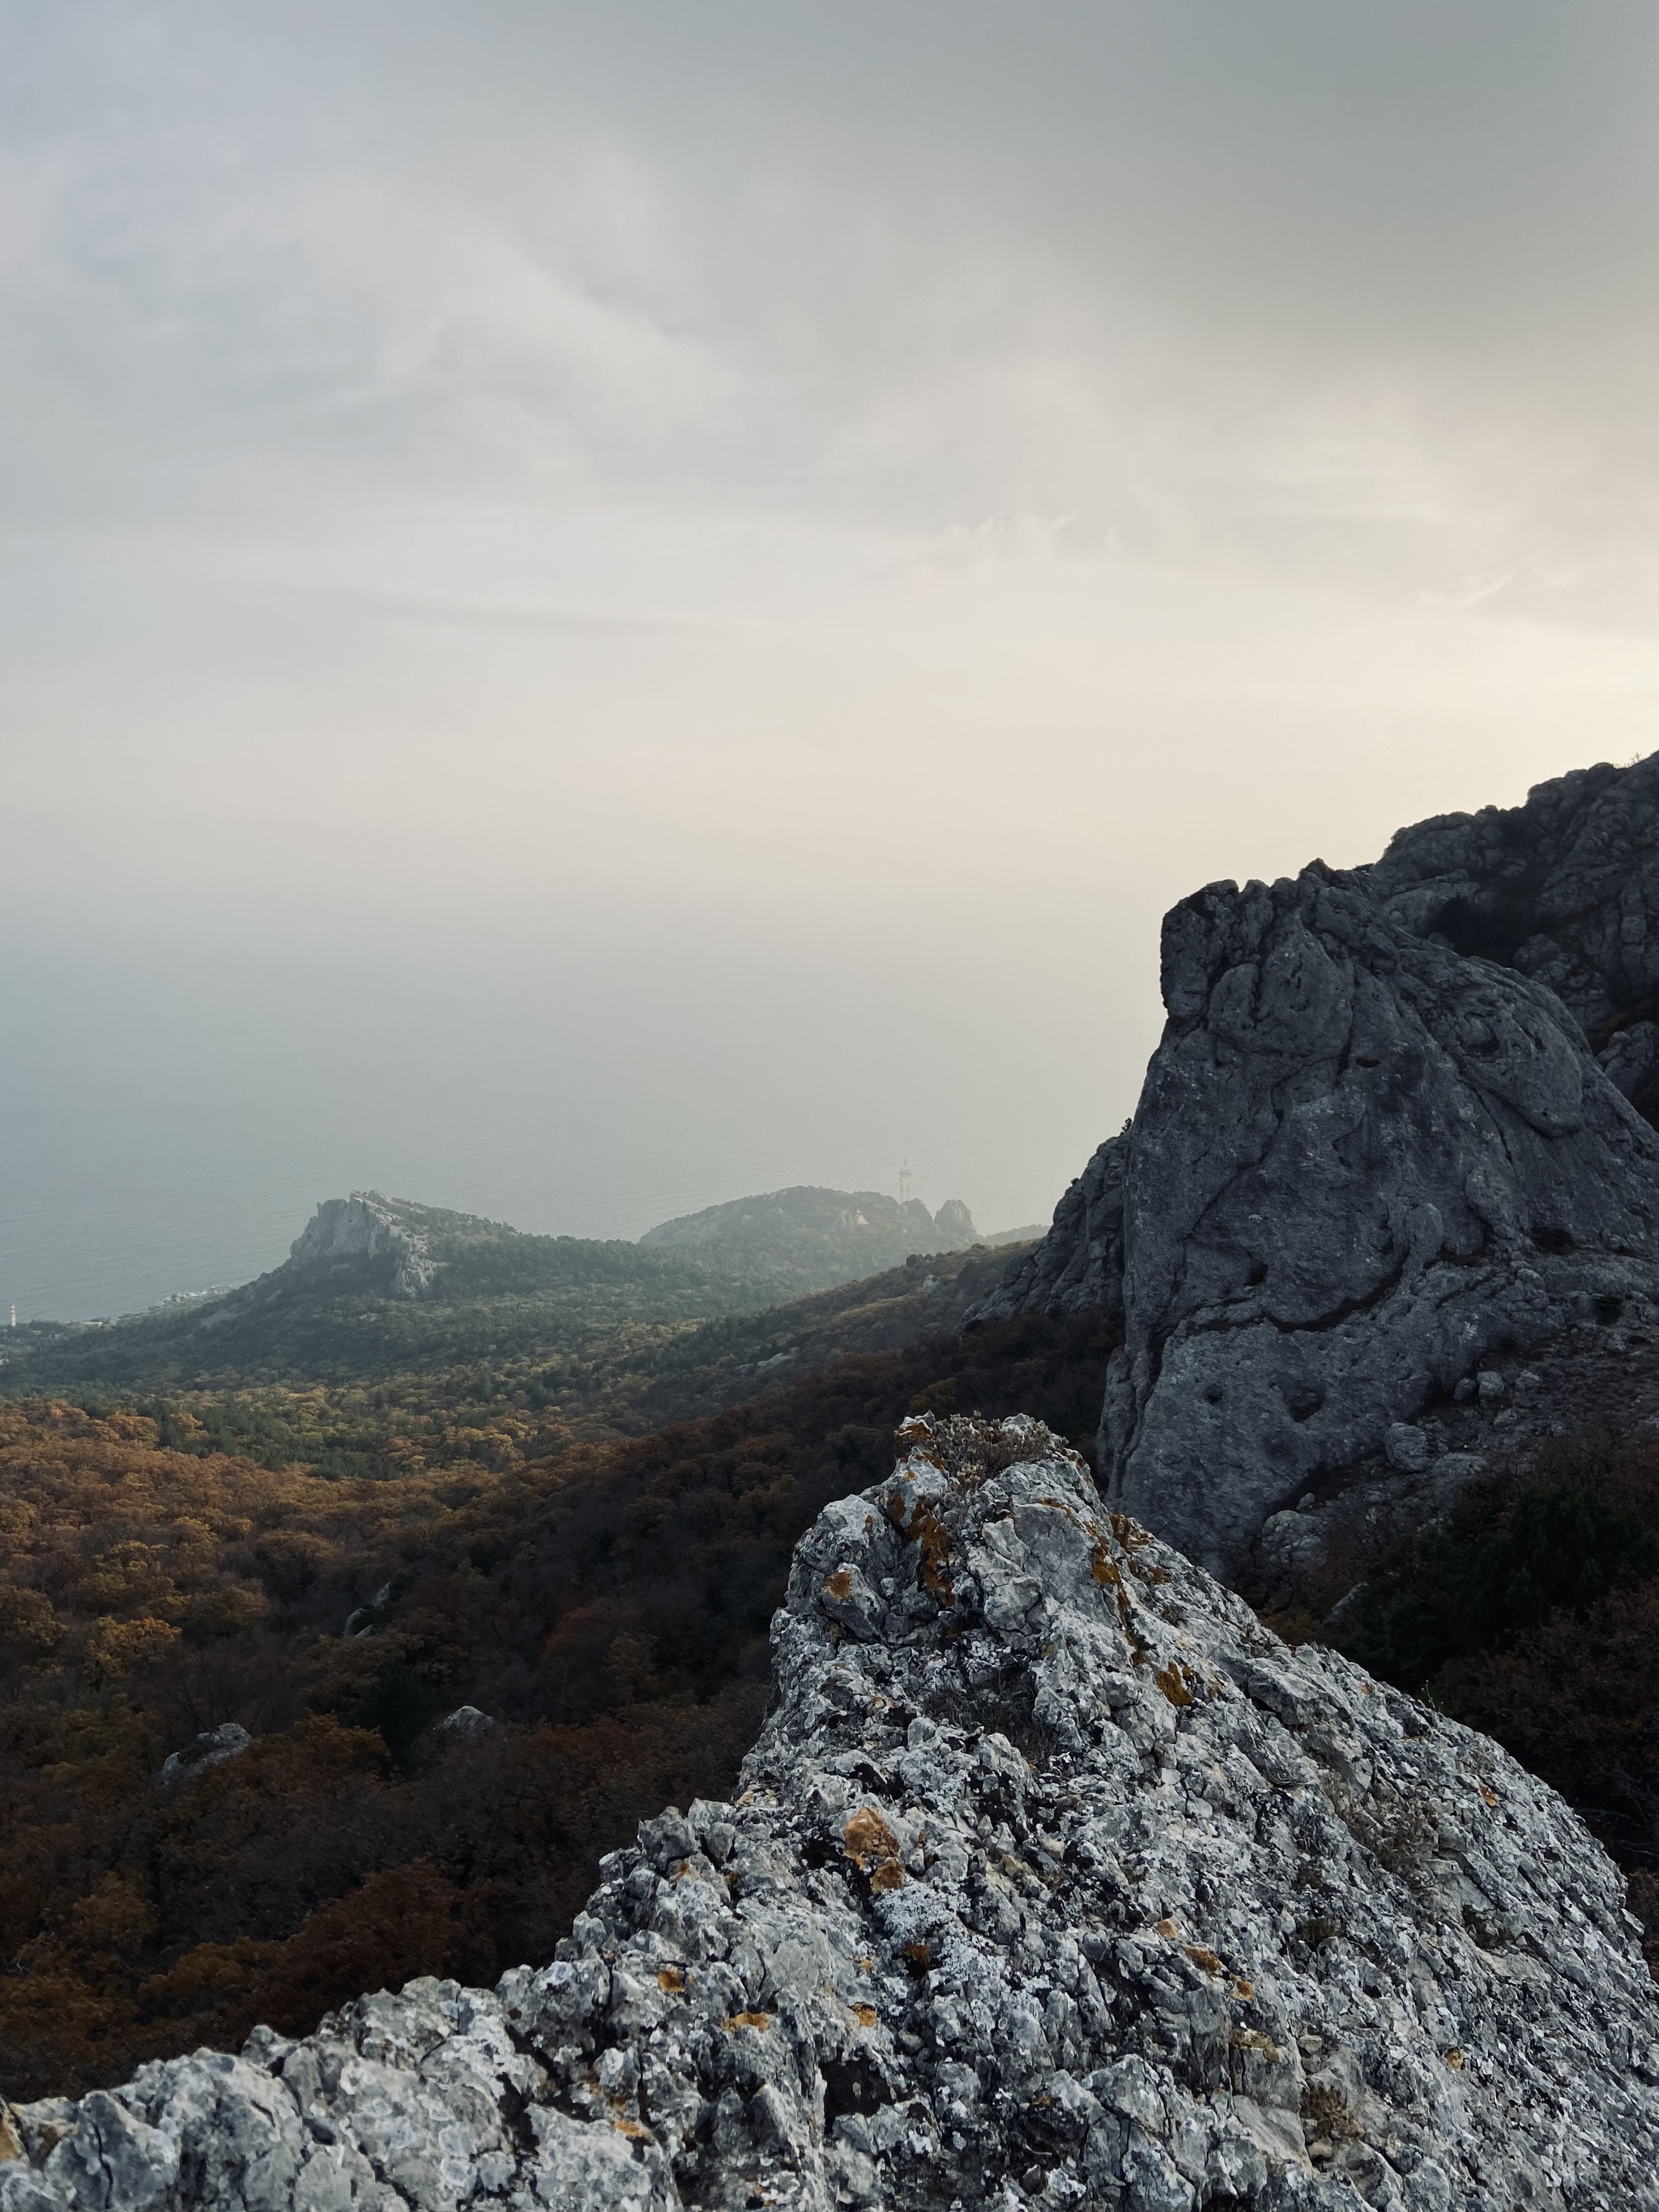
(608, 609)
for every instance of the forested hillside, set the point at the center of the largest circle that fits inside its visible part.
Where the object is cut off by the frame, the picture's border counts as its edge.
(504, 1412)
(608, 1611)
(377, 1286)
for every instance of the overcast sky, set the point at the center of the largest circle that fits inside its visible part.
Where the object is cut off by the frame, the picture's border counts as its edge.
(607, 605)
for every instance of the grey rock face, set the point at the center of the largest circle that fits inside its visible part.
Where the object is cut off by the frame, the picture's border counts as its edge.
(1360, 1162)
(1079, 1266)
(365, 1225)
(211, 1748)
(1254, 1930)
(1338, 1030)
(465, 1720)
(1565, 889)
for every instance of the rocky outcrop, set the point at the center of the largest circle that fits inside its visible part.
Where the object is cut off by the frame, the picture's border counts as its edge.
(1053, 1879)
(1360, 1162)
(366, 1226)
(210, 1749)
(954, 1225)
(1079, 1266)
(1565, 889)
(1373, 1148)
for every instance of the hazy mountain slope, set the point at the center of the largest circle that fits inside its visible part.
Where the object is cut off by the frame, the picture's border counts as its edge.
(608, 1610)
(502, 1413)
(849, 1224)
(377, 1286)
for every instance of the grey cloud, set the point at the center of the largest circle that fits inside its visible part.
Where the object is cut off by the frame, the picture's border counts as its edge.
(1291, 284)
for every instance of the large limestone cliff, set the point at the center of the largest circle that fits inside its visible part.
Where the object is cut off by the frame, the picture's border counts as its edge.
(367, 1226)
(1360, 1162)
(1053, 1880)
(1374, 1146)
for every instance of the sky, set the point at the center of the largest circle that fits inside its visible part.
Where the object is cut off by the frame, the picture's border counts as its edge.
(602, 607)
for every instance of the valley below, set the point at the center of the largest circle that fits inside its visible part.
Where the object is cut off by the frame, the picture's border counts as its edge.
(352, 1623)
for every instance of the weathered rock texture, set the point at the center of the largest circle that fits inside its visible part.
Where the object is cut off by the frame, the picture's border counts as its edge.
(367, 1226)
(1565, 889)
(1253, 1930)
(1360, 1162)
(1373, 1147)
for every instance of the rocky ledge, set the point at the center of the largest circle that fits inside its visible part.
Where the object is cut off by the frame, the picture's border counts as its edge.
(1053, 1878)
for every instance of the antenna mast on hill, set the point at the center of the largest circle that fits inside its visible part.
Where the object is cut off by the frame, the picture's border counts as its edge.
(904, 1184)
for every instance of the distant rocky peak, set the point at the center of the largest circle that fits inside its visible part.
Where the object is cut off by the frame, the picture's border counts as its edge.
(955, 1224)
(809, 1215)
(367, 1225)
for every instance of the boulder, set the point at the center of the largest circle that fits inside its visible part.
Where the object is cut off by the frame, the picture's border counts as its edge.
(465, 1720)
(210, 1749)
(1406, 1447)
(1053, 1878)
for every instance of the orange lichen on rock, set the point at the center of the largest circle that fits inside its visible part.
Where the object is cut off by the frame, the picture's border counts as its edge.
(922, 1525)
(867, 1837)
(873, 1849)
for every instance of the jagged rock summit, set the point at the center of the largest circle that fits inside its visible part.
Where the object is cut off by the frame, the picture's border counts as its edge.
(368, 1225)
(1375, 1146)
(1053, 1880)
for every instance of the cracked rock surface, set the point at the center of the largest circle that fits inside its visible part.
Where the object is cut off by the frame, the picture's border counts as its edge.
(1053, 1879)
(1565, 889)
(1361, 1162)
(1376, 1147)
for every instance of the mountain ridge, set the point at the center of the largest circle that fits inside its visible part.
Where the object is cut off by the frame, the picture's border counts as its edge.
(374, 1285)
